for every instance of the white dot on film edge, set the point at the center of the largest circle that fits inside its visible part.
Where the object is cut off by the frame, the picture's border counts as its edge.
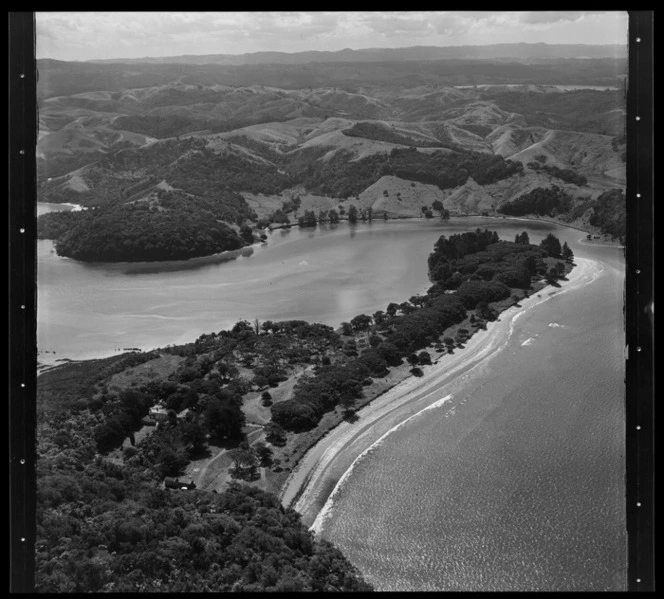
(638, 39)
(638, 195)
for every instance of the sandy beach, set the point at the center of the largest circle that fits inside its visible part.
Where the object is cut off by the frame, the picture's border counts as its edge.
(311, 487)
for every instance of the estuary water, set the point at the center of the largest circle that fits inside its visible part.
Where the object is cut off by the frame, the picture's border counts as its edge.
(328, 274)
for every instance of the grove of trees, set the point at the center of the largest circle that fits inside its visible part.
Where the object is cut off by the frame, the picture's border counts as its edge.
(543, 201)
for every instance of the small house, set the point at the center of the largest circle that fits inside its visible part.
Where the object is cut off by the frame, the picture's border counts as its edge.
(158, 413)
(175, 483)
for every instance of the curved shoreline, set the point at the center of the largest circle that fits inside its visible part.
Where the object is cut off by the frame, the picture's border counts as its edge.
(318, 475)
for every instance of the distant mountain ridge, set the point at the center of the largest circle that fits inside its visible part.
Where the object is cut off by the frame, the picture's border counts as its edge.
(58, 78)
(521, 51)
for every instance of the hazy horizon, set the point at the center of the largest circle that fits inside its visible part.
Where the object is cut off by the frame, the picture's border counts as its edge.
(234, 54)
(85, 36)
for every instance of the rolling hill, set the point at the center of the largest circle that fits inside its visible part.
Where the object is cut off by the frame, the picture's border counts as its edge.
(473, 148)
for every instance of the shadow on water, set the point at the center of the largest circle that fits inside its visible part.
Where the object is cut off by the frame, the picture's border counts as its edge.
(139, 268)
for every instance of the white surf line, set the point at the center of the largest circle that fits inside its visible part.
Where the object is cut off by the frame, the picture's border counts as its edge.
(325, 512)
(333, 450)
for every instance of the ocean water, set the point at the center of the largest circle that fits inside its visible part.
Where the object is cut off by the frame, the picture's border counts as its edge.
(517, 482)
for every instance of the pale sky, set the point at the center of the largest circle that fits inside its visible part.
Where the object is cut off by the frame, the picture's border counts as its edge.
(97, 35)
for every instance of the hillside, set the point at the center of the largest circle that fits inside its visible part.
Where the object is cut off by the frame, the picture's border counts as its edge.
(249, 149)
(58, 78)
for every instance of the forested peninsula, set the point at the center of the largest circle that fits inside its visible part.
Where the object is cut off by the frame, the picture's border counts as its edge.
(167, 228)
(116, 435)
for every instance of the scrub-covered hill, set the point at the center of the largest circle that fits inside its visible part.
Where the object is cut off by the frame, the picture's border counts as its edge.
(238, 156)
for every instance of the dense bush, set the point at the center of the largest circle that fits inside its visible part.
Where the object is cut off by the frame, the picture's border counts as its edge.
(109, 528)
(342, 176)
(470, 293)
(55, 224)
(380, 132)
(541, 201)
(565, 174)
(609, 213)
(124, 417)
(207, 174)
(131, 233)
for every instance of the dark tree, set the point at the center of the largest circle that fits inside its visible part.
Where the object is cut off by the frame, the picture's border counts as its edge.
(170, 462)
(352, 214)
(224, 419)
(379, 317)
(263, 453)
(484, 310)
(375, 340)
(260, 381)
(275, 434)
(194, 435)
(266, 399)
(407, 308)
(346, 328)
(245, 464)
(424, 357)
(246, 233)
(551, 245)
(522, 238)
(361, 322)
